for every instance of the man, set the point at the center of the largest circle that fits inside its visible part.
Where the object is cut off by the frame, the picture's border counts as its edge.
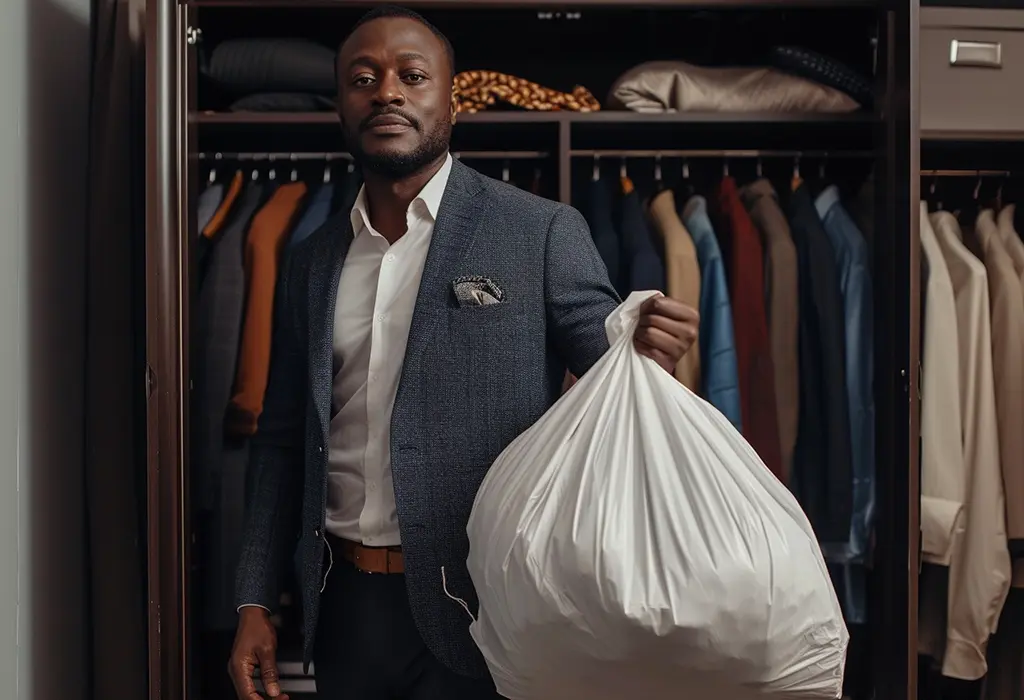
(415, 338)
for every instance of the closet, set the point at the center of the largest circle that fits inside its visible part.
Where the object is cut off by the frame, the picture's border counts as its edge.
(225, 120)
(972, 260)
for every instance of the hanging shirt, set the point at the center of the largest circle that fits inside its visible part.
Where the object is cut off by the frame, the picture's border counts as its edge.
(209, 201)
(377, 293)
(316, 214)
(1011, 240)
(943, 475)
(782, 307)
(851, 256)
(979, 570)
(1007, 317)
(263, 248)
(822, 472)
(719, 373)
(598, 213)
(641, 262)
(682, 275)
(745, 258)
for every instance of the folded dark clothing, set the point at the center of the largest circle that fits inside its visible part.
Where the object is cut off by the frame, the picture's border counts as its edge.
(825, 71)
(283, 102)
(247, 66)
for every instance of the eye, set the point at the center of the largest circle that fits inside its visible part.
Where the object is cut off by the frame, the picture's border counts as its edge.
(362, 81)
(415, 78)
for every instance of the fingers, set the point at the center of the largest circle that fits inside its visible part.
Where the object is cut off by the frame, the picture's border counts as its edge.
(241, 668)
(268, 671)
(669, 308)
(661, 357)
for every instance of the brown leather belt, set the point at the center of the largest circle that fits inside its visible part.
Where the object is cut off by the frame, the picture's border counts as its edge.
(370, 560)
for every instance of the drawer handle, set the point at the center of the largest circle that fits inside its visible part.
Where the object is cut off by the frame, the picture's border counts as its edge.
(976, 54)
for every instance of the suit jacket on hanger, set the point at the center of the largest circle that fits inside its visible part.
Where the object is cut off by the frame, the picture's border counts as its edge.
(719, 374)
(750, 324)
(472, 381)
(822, 472)
(783, 309)
(683, 275)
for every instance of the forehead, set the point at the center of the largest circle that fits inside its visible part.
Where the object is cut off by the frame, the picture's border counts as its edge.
(391, 38)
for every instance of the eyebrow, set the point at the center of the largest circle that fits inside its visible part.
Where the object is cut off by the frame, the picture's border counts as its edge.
(369, 62)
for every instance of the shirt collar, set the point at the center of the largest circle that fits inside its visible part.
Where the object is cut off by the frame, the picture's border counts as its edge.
(429, 199)
(828, 198)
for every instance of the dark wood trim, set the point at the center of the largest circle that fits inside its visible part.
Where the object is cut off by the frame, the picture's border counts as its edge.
(894, 611)
(604, 117)
(166, 354)
(970, 135)
(550, 4)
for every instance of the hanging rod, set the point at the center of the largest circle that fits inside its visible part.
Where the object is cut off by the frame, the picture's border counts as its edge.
(719, 154)
(966, 173)
(287, 157)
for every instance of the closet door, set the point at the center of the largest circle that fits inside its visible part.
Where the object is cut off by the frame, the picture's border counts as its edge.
(170, 191)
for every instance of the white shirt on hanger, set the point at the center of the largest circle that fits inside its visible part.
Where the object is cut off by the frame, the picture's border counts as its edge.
(979, 572)
(376, 296)
(943, 475)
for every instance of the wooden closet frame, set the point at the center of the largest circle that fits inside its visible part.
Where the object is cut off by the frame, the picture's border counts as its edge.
(170, 199)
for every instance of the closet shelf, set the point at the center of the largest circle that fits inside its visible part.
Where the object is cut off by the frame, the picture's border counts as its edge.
(554, 5)
(591, 118)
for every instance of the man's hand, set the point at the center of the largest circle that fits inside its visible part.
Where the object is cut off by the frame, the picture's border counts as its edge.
(666, 331)
(255, 645)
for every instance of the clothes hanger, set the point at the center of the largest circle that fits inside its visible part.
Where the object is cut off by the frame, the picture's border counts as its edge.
(659, 184)
(505, 174)
(294, 175)
(725, 168)
(596, 174)
(797, 178)
(327, 171)
(686, 187)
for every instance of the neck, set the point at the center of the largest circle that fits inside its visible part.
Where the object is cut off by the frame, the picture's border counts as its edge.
(388, 200)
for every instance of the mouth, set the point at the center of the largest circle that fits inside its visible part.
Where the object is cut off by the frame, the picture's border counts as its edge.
(388, 124)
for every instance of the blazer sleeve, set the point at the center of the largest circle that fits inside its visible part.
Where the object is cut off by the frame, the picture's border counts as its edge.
(276, 466)
(579, 296)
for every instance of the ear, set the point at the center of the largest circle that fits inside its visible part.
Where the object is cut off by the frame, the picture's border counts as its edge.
(454, 106)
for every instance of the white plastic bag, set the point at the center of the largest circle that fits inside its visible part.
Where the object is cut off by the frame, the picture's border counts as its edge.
(632, 546)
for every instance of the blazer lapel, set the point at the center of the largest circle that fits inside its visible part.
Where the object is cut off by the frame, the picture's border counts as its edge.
(327, 258)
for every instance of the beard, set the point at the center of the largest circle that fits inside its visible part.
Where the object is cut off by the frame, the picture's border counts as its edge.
(395, 164)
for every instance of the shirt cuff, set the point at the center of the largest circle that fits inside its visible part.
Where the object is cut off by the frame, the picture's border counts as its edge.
(251, 605)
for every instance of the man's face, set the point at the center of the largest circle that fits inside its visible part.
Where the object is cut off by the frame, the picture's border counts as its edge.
(395, 96)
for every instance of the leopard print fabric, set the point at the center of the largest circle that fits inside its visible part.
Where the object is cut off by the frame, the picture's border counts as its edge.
(478, 90)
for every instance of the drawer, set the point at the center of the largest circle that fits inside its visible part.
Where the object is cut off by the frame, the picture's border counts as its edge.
(971, 66)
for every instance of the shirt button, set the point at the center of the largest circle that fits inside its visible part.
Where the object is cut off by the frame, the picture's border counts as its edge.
(382, 318)
(316, 533)
(372, 486)
(320, 450)
(391, 257)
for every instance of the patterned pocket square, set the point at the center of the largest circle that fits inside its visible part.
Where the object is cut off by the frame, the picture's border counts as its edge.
(476, 291)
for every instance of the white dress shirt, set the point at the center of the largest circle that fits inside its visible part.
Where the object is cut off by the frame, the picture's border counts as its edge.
(979, 572)
(943, 475)
(376, 296)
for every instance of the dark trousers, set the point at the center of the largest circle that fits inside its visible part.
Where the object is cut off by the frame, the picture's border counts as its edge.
(368, 648)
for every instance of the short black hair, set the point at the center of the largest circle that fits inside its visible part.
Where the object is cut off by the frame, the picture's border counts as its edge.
(389, 11)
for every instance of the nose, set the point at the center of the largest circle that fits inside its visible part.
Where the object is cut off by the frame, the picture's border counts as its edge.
(389, 91)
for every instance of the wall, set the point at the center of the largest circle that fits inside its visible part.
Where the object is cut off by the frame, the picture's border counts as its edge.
(44, 81)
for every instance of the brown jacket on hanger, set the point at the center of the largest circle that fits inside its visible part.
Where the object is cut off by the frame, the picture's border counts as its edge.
(221, 215)
(267, 237)
(783, 307)
(682, 273)
(1006, 304)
